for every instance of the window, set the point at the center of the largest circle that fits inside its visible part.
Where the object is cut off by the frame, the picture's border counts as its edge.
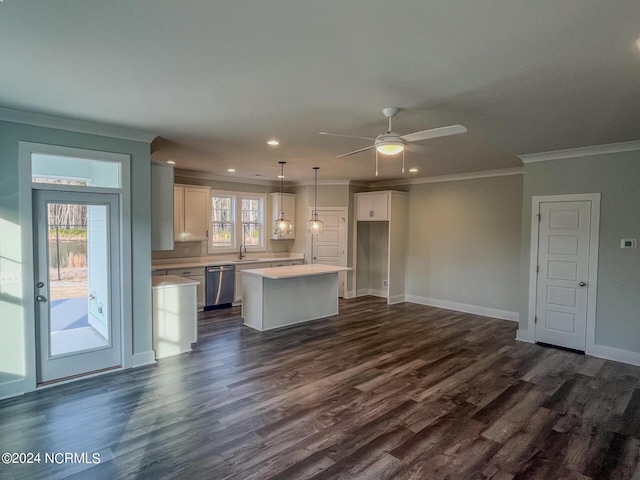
(251, 222)
(85, 172)
(222, 220)
(237, 218)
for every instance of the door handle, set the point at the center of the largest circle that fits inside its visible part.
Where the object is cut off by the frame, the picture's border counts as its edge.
(40, 284)
(582, 284)
(41, 298)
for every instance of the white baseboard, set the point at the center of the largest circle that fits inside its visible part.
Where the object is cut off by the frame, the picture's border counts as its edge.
(463, 307)
(525, 336)
(615, 354)
(144, 358)
(377, 293)
(396, 299)
(349, 294)
(371, 291)
(12, 388)
(599, 351)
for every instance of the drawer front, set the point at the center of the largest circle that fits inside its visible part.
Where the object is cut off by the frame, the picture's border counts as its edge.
(187, 272)
(286, 263)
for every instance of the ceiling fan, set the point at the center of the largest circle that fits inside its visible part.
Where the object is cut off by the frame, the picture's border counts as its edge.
(392, 143)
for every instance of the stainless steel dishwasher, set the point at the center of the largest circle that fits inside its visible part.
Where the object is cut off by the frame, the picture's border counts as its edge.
(220, 284)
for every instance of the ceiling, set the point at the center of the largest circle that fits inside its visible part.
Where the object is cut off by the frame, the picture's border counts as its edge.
(216, 80)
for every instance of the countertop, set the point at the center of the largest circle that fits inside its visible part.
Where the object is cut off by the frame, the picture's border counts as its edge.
(166, 281)
(295, 271)
(207, 261)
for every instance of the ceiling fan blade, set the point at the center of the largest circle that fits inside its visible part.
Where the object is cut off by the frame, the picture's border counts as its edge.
(345, 136)
(414, 148)
(434, 133)
(355, 151)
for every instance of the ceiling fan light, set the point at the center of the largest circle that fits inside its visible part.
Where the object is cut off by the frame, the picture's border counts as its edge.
(390, 148)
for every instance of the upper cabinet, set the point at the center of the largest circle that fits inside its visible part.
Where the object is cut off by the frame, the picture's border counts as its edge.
(372, 206)
(161, 206)
(191, 207)
(289, 202)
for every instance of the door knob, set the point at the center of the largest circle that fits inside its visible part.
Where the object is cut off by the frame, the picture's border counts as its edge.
(41, 298)
(582, 284)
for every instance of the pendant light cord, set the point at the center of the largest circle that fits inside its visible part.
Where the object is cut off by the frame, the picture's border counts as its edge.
(282, 190)
(315, 191)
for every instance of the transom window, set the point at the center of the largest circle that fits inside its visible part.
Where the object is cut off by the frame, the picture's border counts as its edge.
(237, 218)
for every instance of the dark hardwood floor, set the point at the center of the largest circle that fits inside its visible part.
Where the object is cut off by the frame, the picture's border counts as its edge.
(377, 392)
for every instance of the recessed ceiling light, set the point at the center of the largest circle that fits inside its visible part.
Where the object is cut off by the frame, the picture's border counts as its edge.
(273, 142)
(231, 170)
(171, 162)
(280, 176)
(413, 170)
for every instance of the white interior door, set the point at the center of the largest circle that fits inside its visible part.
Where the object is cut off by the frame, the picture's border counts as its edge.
(330, 246)
(563, 273)
(77, 283)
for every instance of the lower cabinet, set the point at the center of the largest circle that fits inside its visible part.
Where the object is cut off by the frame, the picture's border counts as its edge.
(175, 328)
(196, 274)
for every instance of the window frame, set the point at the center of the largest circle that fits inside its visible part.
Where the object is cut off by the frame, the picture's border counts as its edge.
(237, 223)
(232, 221)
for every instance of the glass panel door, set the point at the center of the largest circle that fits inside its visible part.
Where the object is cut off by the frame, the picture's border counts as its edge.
(77, 283)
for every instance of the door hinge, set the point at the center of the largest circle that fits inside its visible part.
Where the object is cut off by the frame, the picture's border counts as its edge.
(539, 216)
(535, 319)
(537, 268)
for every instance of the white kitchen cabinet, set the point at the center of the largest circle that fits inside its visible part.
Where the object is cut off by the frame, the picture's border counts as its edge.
(197, 275)
(162, 235)
(289, 203)
(191, 208)
(372, 206)
(174, 316)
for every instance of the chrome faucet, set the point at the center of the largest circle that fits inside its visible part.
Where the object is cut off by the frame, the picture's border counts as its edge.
(242, 253)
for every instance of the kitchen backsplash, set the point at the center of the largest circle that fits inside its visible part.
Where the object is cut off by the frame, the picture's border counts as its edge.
(199, 249)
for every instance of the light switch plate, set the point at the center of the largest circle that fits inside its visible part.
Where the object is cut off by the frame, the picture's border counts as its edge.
(628, 243)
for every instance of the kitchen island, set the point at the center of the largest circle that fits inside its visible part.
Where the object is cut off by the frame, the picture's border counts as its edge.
(280, 296)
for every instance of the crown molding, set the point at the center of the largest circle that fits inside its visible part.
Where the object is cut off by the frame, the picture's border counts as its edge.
(193, 174)
(581, 152)
(450, 178)
(310, 183)
(60, 123)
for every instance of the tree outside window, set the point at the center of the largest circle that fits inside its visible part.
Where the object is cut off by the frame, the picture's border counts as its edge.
(251, 222)
(237, 218)
(222, 221)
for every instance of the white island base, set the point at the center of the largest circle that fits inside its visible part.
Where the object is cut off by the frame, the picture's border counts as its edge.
(280, 296)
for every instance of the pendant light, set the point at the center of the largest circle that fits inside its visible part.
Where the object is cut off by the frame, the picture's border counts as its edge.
(315, 225)
(282, 226)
